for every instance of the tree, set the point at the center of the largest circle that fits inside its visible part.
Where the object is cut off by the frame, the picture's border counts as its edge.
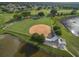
(4, 10)
(57, 30)
(53, 12)
(39, 8)
(37, 38)
(41, 14)
(42, 38)
(18, 17)
(15, 15)
(73, 12)
(25, 14)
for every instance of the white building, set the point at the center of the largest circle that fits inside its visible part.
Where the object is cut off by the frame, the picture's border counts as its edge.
(55, 42)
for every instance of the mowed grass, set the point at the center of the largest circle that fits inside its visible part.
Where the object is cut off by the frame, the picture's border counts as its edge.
(24, 26)
(5, 17)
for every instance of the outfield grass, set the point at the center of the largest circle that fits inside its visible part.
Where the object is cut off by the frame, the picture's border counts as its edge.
(24, 26)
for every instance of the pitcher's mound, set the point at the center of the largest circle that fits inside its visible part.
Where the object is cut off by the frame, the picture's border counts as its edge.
(40, 29)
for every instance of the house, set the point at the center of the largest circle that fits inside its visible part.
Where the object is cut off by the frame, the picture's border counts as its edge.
(61, 43)
(55, 42)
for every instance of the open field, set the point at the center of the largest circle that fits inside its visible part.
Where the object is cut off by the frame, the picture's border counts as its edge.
(24, 26)
(5, 17)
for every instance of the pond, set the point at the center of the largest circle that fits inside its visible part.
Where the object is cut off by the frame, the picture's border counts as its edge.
(72, 24)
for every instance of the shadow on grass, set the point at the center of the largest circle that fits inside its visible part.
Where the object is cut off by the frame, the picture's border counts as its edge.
(29, 49)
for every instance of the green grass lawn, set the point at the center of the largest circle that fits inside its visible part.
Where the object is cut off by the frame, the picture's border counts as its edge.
(2, 31)
(5, 17)
(24, 26)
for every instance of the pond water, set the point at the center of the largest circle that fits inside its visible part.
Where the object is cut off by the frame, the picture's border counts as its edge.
(72, 24)
(8, 45)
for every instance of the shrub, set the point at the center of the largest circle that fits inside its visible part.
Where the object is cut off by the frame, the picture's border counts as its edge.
(53, 12)
(57, 30)
(41, 14)
(39, 8)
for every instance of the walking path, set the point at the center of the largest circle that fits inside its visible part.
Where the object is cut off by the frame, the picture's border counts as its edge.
(69, 52)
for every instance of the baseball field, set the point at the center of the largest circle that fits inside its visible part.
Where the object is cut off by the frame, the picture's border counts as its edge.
(26, 27)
